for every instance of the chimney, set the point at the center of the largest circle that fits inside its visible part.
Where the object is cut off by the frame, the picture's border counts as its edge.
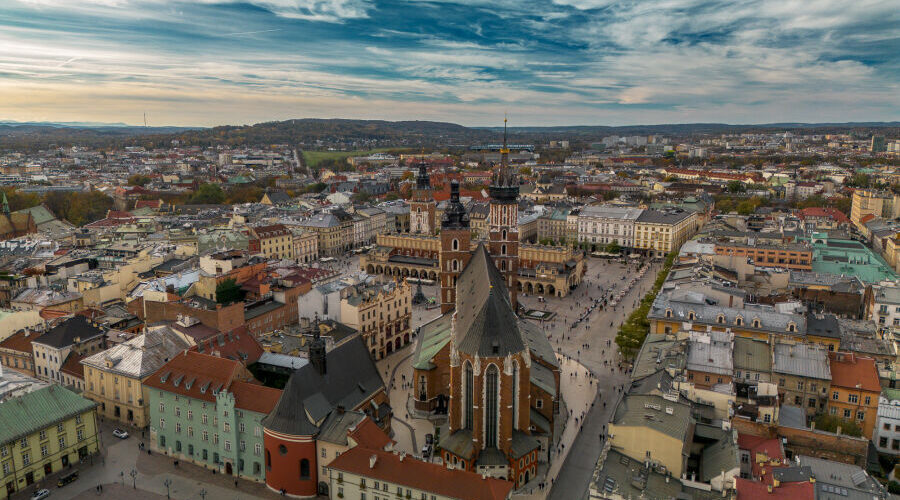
(372, 460)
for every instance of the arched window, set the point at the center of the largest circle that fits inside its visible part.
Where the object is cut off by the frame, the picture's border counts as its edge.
(468, 383)
(304, 469)
(454, 244)
(503, 265)
(720, 318)
(502, 249)
(756, 323)
(691, 316)
(668, 313)
(792, 327)
(739, 321)
(455, 265)
(515, 395)
(503, 235)
(492, 401)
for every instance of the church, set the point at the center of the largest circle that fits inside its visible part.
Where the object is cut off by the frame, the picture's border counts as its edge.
(493, 373)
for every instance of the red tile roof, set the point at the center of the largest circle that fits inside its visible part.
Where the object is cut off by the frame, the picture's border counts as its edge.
(236, 344)
(768, 447)
(73, 365)
(420, 475)
(367, 434)
(851, 371)
(754, 490)
(254, 397)
(19, 341)
(195, 375)
(833, 213)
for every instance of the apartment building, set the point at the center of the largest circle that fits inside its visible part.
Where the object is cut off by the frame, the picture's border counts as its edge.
(43, 432)
(381, 312)
(366, 473)
(114, 378)
(75, 336)
(335, 235)
(803, 375)
(855, 390)
(887, 426)
(206, 410)
(274, 241)
(306, 247)
(600, 225)
(787, 255)
(659, 232)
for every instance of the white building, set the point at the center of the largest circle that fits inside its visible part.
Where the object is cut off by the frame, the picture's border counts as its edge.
(604, 224)
(887, 427)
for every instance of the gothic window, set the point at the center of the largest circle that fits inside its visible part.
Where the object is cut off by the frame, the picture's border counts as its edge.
(455, 265)
(492, 406)
(503, 235)
(515, 390)
(454, 244)
(503, 248)
(468, 383)
(503, 265)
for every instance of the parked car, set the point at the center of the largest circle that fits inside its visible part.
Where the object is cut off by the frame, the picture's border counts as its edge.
(67, 478)
(40, 494)
(119, 433)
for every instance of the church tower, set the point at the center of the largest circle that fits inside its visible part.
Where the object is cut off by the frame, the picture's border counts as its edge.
(455, 247)
(422, 205)
(503, 221)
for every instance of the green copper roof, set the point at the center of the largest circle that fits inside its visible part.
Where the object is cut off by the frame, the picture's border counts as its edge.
(432, 338)
(849, 258)
(36, 410)
(40, 213)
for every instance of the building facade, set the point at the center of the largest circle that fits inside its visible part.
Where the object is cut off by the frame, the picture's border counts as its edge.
(600, 225)
(381, 313)
(43, 432)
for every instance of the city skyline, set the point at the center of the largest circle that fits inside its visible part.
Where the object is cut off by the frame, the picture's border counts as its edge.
(587, 62)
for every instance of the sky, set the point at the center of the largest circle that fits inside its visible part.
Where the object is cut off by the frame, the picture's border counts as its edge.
(559, 62)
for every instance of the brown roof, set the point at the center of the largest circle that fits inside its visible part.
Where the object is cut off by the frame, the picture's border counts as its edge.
(236, 344)
(73, 365)
(254, 397)
(195, 375)
(851, 371)
(16, 223)
(19, 341)
(367, 434)
(420, 475)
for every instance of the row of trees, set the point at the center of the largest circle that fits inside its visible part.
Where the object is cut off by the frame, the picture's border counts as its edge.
(78, 208)
(634, 330)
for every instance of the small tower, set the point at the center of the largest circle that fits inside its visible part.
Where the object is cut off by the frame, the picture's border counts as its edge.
(422, 206)
(5, 205)
(317, 355)
(503, 221)
(456, 239)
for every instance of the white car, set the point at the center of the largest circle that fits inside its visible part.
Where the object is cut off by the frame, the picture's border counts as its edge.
(119, 433)
(40, 494)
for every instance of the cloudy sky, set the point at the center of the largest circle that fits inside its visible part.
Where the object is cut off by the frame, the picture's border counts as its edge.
(560, 62)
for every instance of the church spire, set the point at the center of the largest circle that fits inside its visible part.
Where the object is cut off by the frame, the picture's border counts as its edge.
(5, 205)
(504, 185)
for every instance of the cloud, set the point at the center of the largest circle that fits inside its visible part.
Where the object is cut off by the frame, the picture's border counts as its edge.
(567, 61)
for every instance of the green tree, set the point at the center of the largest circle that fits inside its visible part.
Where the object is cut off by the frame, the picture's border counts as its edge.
(613, 247)
(830, 423)
(736, 187)
(228, 291)
(138, 180)
(244, 194)
(208, 194)
(18, 200)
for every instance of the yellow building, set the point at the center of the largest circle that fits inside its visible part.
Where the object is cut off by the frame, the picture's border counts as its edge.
(870, 202)
(114, 378)
(43, 432)
(651, 428)
(659, 232)
(274, 242)
(381, 313)
(306, 246)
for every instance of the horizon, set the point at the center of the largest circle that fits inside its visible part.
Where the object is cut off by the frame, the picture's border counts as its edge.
(593, 62)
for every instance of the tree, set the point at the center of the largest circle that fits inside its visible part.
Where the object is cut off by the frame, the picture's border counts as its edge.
(228, 291)
(244, 194)
(18, 200)
(208, 194)
(361, 197)
(736, 187)
(613, 247)
(830, 423)
(138, 180)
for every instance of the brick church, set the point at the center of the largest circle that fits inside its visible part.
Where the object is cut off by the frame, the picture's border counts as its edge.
(494, 373)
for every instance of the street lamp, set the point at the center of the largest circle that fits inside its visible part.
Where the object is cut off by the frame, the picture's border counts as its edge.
(133, 475)
(167, 482)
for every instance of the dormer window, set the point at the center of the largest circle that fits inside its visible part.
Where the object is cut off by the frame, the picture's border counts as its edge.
(756, 323)
(668, 313)
(739, 321)
(792, 327)
(720, 319)
(691, 316)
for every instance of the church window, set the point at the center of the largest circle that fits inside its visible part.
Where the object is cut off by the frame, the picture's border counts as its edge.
(492, 409)
(454, 244)
(467, 396)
